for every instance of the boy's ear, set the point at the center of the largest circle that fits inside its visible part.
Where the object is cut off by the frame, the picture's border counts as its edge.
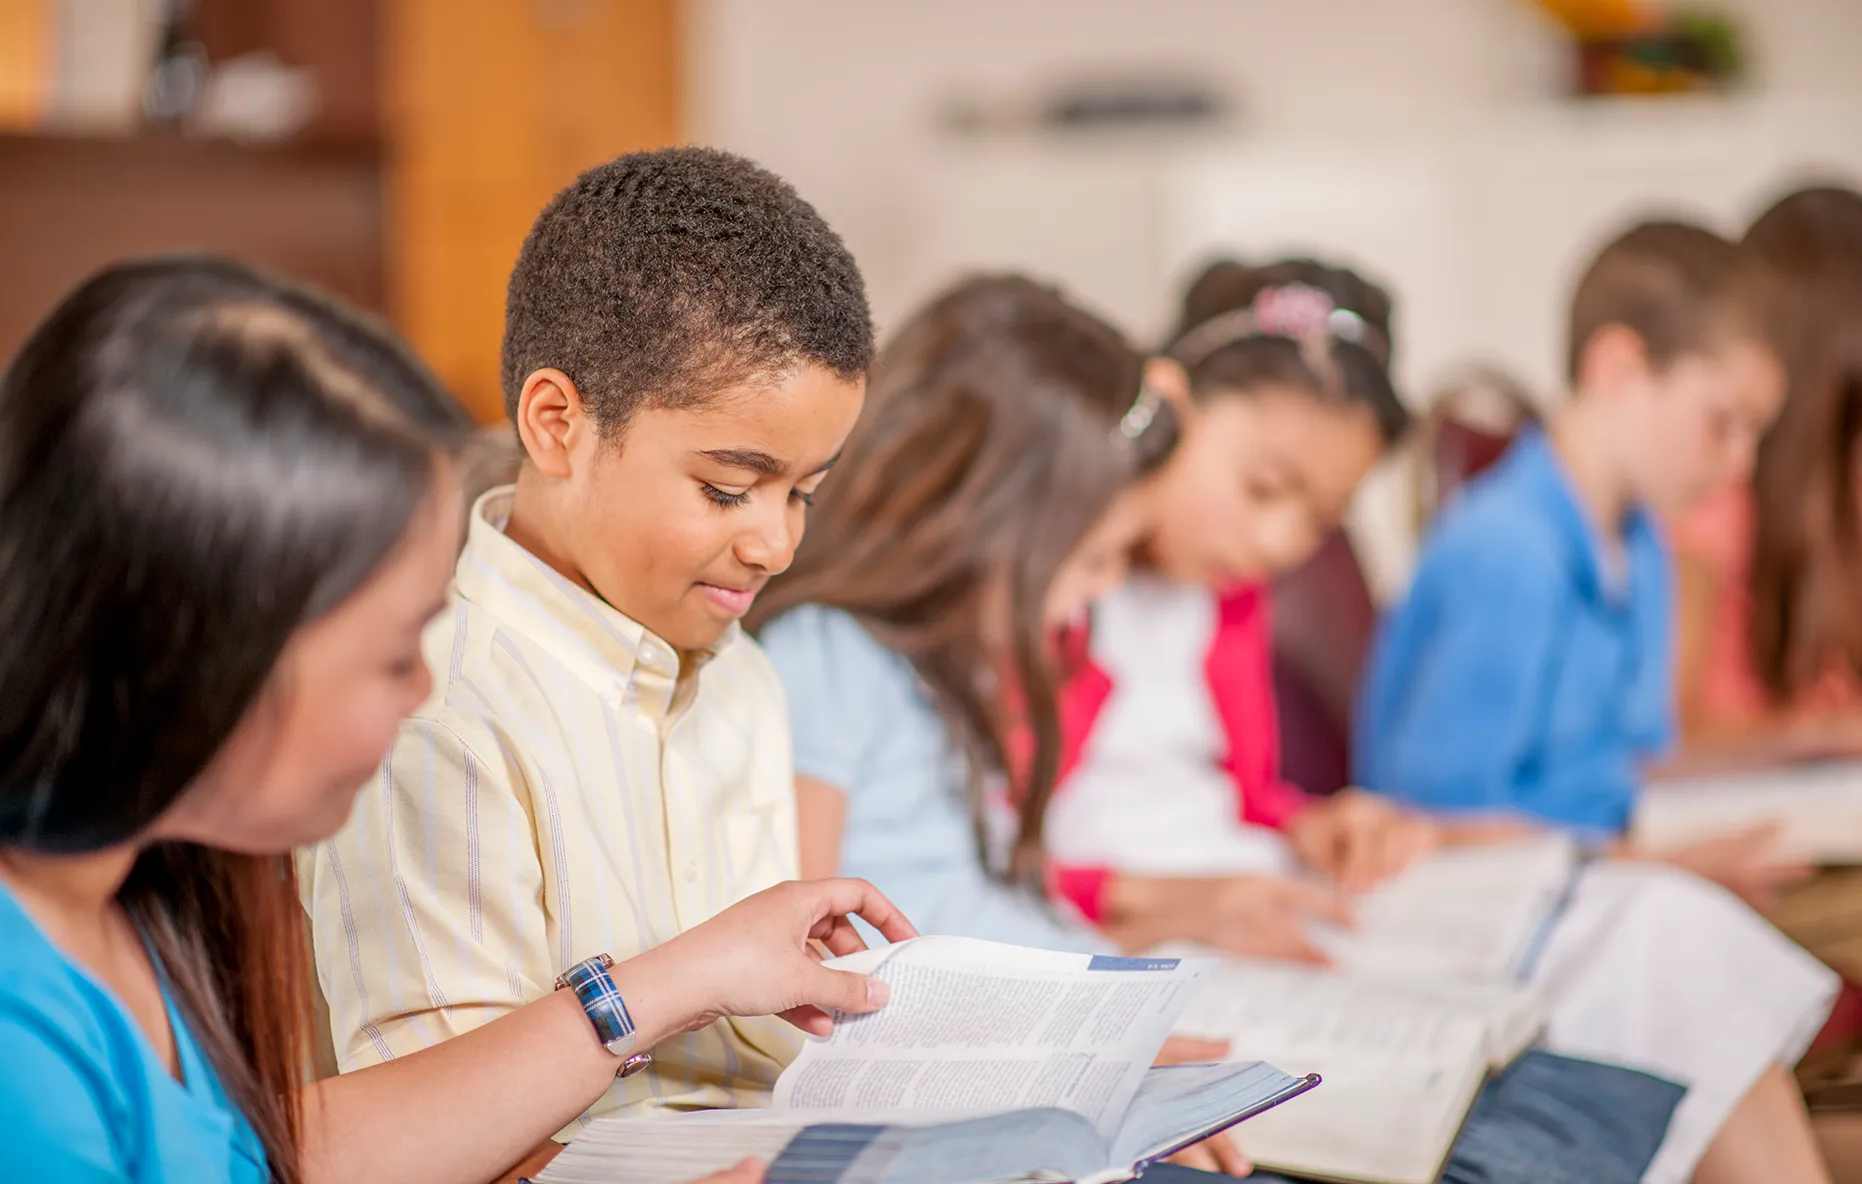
(1613, 360)
(553, 422)
(1168, 378)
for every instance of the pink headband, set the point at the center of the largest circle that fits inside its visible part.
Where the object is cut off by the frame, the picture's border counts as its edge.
(1295, 312)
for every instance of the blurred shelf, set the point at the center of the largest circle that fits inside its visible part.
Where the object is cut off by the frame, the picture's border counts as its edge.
(71, 203)
(150, 144)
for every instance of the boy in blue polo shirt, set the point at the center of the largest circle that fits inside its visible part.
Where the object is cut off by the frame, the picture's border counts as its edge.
(1528, 673)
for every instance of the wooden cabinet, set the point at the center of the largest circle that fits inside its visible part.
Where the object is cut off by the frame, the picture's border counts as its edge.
(71, 204)
(444, 126)
(491, 107)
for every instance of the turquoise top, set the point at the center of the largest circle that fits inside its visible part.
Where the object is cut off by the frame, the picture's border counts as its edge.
(83, 1096)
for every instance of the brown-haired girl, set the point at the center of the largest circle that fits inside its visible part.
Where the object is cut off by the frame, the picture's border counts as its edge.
(1769, 573)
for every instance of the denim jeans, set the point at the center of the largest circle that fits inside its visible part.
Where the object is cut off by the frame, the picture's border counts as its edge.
(1544, 1120)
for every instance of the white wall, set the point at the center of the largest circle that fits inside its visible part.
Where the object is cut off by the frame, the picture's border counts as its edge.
(841, 95)
(1416, 138)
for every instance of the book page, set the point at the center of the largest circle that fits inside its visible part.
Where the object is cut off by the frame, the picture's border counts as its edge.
(1296, 1015)
(974, 1024)
(1468, 912)
(806, 1147)
(1179, 1103)
(1401, 1067)
(1391, 1128)
(1172, 1106)
(1818, 805)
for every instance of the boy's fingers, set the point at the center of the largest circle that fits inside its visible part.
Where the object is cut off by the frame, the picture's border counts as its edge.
(839, 937)
(842, 990)
(811, 1020)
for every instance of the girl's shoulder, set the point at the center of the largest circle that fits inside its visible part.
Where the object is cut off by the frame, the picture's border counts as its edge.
(813, 641)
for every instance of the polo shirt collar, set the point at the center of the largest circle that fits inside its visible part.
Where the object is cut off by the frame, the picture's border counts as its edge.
(1546, 476)
(581, 629)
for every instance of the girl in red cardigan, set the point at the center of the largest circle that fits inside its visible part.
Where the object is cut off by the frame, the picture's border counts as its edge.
(1207, 857)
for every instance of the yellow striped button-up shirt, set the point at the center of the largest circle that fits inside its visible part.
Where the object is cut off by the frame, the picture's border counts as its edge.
(562, 793)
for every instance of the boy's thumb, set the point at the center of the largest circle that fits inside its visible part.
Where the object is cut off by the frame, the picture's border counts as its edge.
(845, 991)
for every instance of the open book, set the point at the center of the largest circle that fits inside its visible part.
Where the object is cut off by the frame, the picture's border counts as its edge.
(1477, 912)
(1818, 805)
(990, 1063)
(1403, 1060)
(1422, 1003)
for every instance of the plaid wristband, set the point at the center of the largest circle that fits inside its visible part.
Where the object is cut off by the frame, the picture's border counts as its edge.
(601, 1001)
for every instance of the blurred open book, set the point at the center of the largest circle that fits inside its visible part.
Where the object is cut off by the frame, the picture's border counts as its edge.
(1424, 999)
(1818, 807)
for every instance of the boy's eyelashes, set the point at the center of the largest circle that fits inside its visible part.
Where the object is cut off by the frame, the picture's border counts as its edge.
(723, 497)
(727, 499)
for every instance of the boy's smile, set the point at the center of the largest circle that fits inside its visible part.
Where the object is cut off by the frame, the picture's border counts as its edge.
(679, 519)
(731, 602)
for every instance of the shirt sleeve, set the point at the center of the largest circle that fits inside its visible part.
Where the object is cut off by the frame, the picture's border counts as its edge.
(426, 909)
(845, 691)
(1478, 634)
(832, 671)
(57, 1126)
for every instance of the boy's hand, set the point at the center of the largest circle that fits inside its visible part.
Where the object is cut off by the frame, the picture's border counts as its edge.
(1361, 839)
(759, 957)
(747, 1172)
(1744, 863)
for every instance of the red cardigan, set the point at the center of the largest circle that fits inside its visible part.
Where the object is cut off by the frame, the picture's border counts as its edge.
(1239, 670)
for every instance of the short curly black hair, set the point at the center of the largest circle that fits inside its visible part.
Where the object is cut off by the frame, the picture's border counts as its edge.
(661, 278)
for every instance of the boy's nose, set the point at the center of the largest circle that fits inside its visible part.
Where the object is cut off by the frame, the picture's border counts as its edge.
(770, 546)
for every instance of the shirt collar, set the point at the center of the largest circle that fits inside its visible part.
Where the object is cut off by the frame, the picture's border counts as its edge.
(1546, 476)
(578, 627)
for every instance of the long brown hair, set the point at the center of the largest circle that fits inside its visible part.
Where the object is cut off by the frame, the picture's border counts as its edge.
(999, 427)
(195, 462)
(1806, 572)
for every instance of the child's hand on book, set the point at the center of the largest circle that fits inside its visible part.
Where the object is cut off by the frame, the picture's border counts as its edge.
(747, 1172)
(758, 958)
(1361, 839)
(1253, 916)
(1745, 863)
(1269, 917)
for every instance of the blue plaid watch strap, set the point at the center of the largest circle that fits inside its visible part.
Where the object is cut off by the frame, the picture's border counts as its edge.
(601, 1001)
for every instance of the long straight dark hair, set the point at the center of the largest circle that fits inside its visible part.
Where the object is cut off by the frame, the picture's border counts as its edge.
(1806, 571)
(989, 447)
(195, 461)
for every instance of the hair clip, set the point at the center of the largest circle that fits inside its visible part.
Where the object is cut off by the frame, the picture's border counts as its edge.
(1143, 411)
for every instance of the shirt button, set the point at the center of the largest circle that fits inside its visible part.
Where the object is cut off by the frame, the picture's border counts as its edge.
(691, 872)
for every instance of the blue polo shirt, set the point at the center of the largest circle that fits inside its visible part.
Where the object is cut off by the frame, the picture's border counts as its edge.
(1524, 673)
